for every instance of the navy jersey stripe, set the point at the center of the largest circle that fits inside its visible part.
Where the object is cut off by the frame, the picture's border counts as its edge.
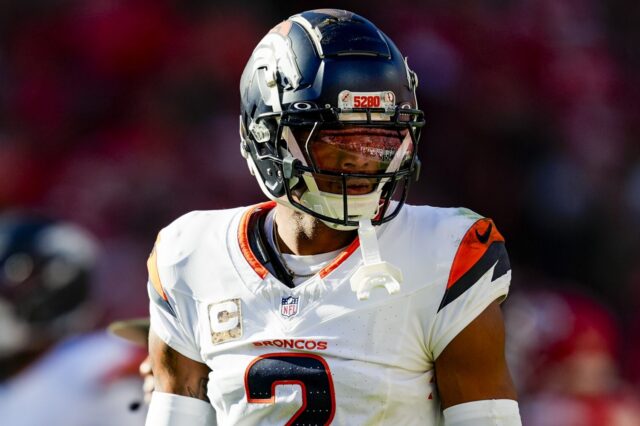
(496, 255)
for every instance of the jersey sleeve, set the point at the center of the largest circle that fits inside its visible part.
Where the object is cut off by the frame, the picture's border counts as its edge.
(480, 273)
(171, 313)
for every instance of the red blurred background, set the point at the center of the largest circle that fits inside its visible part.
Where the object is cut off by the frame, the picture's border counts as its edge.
(122, 115)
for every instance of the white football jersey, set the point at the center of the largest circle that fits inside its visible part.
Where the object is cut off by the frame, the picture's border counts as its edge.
(315, 354)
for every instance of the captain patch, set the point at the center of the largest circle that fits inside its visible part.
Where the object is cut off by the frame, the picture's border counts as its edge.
(225, 319)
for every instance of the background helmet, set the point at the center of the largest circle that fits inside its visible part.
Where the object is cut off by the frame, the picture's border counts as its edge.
(327, 69)
(45, 274)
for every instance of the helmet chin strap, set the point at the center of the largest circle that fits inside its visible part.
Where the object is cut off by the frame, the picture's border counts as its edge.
(374, 272)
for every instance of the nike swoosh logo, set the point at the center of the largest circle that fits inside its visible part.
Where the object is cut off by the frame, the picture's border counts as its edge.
(484, 237)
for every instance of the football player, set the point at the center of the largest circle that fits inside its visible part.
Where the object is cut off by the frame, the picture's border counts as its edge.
(55, 368)
(331, 303)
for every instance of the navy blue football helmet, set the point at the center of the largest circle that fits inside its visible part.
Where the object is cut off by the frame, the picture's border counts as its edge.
(329, 119)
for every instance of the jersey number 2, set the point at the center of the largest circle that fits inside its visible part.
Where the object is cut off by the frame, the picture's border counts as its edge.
(309, 371)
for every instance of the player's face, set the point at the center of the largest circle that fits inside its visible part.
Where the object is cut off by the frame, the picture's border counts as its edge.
(367, 151)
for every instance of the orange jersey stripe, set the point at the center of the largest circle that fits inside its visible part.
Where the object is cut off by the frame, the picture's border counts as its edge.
(243, 238)
(473, 246)
(245, 248)
(340, 258)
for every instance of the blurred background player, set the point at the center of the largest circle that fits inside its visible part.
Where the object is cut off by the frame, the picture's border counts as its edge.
(54, 370)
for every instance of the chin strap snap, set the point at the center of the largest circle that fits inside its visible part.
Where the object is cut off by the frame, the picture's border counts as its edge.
(374, 272)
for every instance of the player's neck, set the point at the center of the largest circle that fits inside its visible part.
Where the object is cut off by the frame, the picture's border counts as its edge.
(302, 234)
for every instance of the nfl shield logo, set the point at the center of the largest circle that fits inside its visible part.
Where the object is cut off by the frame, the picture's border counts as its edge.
(289, 306)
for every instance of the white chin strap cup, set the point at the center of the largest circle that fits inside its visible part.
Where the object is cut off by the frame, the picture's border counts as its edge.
(374, 272)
